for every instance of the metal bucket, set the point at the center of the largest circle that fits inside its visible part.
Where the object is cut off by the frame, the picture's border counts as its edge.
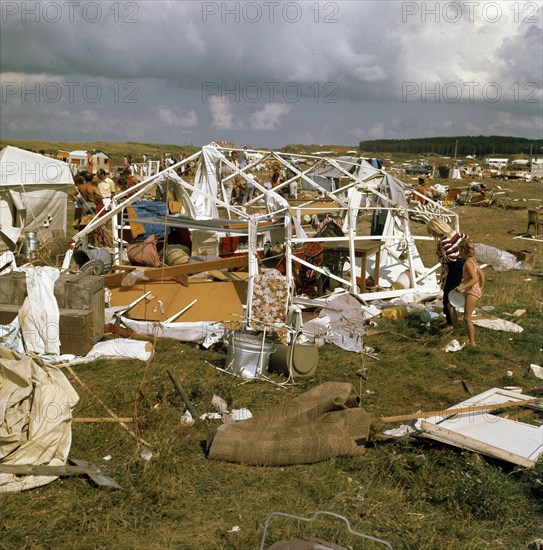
(247, 355)
(303, 357)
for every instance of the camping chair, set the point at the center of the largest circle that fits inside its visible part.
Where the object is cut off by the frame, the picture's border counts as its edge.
(333, 260)
(535, 218)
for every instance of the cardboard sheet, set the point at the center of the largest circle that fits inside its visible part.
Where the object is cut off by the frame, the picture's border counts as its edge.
(217, 300)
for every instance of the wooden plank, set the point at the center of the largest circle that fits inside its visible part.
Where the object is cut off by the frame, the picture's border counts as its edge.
(87, 420)
(462, 410)
(171, 272)
(99, 477)
(39, 470)
(76, 468)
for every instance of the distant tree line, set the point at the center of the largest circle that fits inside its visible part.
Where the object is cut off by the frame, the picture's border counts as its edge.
(463, 145)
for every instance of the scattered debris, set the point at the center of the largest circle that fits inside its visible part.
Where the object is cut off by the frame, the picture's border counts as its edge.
(537, 370)
(454, 345)
(187, 419)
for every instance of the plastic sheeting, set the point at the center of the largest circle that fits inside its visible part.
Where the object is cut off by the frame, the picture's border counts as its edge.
(497, 259)
(341, 322)
(122, 347)
(151, 209)
(36, 403)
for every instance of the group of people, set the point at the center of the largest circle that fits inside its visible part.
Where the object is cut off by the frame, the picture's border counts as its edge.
(237, 189)
(460, 272)
(93, 194)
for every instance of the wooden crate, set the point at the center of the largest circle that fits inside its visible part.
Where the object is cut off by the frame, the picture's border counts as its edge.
(13, 288)
(77, 330)
(79, 293)
(84, 292)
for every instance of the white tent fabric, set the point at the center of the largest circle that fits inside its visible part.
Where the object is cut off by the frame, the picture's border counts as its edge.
(36, 405)
(366, 170)
(170, 177)
(206, 181)
(32, 194)
(19, 167)
(398, 243)
(397, 239)
(456, 174)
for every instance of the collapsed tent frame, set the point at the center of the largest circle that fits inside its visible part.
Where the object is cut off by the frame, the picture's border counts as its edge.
(203, 199)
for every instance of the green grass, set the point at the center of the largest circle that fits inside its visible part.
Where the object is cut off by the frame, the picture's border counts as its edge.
(415, 494)
(116, 151)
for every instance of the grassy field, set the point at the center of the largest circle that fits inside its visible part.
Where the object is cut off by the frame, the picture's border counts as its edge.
(116, 151)
(413, 494)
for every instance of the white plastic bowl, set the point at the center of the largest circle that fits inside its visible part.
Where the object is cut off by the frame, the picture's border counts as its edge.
(457, 299)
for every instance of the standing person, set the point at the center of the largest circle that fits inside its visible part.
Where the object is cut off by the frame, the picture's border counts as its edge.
(473, 282)
(249, 189)
(93, 201)
(131, 180)
(106, 187)
(227, 171)
(242, 159)
(447, 241)
(276, 176)
(90, 163)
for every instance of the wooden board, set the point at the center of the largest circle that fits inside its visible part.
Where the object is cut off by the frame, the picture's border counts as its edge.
(170, 272)
(77, 468)
(13, 288)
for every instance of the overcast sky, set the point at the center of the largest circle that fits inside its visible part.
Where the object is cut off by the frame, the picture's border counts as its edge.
(269, 73)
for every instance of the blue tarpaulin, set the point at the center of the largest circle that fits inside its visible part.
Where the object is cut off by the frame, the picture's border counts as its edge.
(151, 209)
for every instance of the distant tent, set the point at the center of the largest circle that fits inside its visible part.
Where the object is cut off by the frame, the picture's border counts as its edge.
(33, 195)
(456, 174)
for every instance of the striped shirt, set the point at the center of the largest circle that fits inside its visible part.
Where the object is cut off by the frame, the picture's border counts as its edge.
(450, 246)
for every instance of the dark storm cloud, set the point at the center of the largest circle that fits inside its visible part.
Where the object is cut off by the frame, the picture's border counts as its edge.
(335, 71)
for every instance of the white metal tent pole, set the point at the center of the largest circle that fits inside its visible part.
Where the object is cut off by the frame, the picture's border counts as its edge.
(358, 181)
(310, 181)
(298, 174)
(97, 221)
(352, 215)
(117, 241)
(241, 171)
(288, 247)
(409, 240)
(252, 265)
(132, 194)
